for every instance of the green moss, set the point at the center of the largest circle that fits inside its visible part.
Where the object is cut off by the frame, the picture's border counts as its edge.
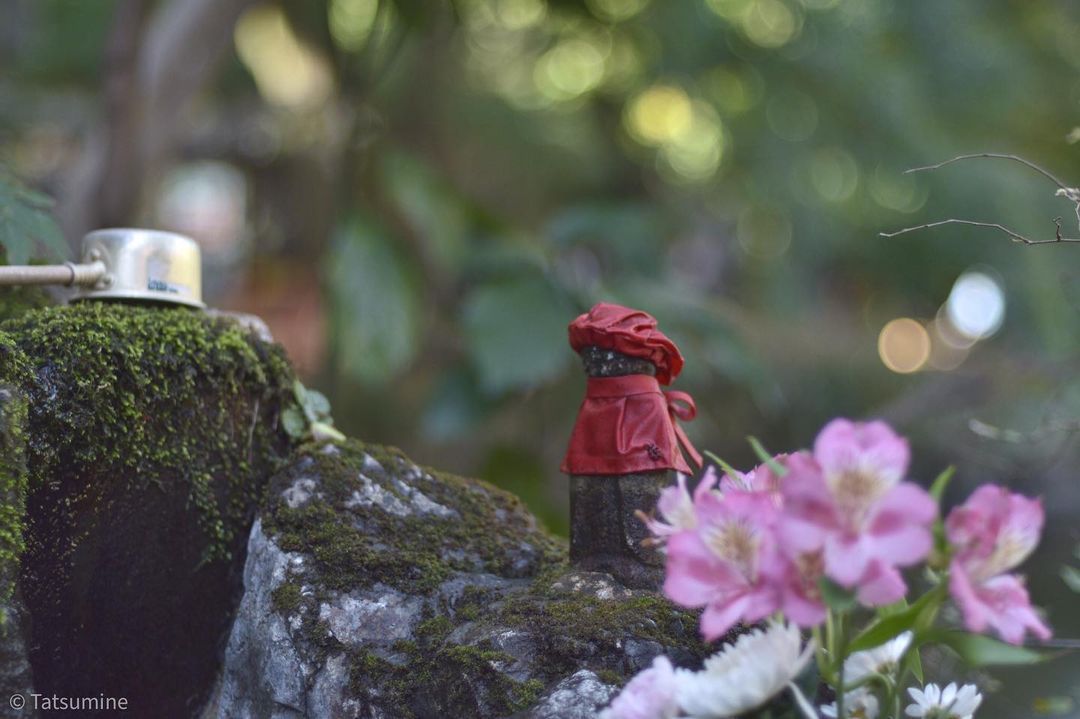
(146, 397)
(446, 681)
(563, 623)
(434, 629)
(287, 597)
(13, 479)
(609, 676)
(415, 553)
(16, 301)
(356, 542)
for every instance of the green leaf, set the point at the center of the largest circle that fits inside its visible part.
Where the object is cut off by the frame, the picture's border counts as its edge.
(895, 608)
(778, 469)
(1071, 577)
(455, 406)
(913, 661)
(977, 650)
(316, 406)
(26, 222)
(294, 422)
(374, 297)
(918, 616)
(835, 596)
(937, 489)
(727, 468)
(323, 432)
(516, 333)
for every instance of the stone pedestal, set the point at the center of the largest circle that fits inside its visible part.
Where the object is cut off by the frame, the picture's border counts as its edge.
(605, 534)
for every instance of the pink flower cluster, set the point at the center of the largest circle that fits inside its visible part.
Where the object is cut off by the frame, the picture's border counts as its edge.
(760, 543)
(750, 545)
(992, 533)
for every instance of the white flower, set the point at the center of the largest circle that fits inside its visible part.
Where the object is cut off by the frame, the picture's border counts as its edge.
(879, 660)
(858, 704)
(649, 695)
(933, 702)
(745, 674)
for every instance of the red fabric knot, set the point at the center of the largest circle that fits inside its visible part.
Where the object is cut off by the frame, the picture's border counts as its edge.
(627, 425)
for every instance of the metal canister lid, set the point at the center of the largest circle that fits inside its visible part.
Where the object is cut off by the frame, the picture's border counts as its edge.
(144, 265)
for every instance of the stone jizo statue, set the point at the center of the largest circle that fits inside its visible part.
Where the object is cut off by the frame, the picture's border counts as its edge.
(626, 444)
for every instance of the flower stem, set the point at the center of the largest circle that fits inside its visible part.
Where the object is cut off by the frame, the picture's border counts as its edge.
(821, 655)
(839, 641)
(801, 701)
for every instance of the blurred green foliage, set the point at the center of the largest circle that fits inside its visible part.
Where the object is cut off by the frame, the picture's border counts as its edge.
(26, 225)
(466, 177)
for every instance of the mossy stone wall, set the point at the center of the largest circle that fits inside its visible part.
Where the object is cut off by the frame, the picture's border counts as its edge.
(150, 433)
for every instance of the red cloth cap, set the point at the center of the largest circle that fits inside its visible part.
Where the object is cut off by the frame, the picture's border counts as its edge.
(631, 332)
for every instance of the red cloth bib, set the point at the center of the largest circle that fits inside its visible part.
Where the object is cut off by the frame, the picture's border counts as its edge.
(627, 425)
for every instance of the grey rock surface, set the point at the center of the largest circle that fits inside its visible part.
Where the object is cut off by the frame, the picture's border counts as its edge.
(576, 697)
(374, 588)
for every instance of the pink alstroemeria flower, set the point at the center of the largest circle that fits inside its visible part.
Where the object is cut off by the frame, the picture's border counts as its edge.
(800, 593)
(759, 479)
(849, 500)
(677, 507)
(724, 564)
(991, 533)
(794, 578)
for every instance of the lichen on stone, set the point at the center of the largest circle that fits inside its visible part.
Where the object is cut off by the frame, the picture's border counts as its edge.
(394, 590)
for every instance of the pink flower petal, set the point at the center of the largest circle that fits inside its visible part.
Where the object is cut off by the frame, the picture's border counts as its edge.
(963, 593)
(810, 513)
(847, 559)
(1008, 609)
(843, 445)
(903, 546)
(695, 575)
(905, 503)
(881, 585)
(649, 695)
(720, 616)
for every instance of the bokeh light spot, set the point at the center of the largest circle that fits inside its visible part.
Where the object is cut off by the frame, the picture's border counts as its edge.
(894, 190)
(351, 22)
(570, 69)
(771, 23)
(695, 153)
(976, 305)
(734, 90)
(616, 10)
(660, 114)
(625, 63)
(764, 233)
(945, 353)
(520, 14)
(834, 174)
(730, 10)
(904, 345)
(287, 72)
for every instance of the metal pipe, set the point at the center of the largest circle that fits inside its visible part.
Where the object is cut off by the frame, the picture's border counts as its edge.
(66, 274)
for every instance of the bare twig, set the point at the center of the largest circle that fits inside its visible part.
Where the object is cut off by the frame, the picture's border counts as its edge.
(1070, 193)
(1016, 236)
(995, 155)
